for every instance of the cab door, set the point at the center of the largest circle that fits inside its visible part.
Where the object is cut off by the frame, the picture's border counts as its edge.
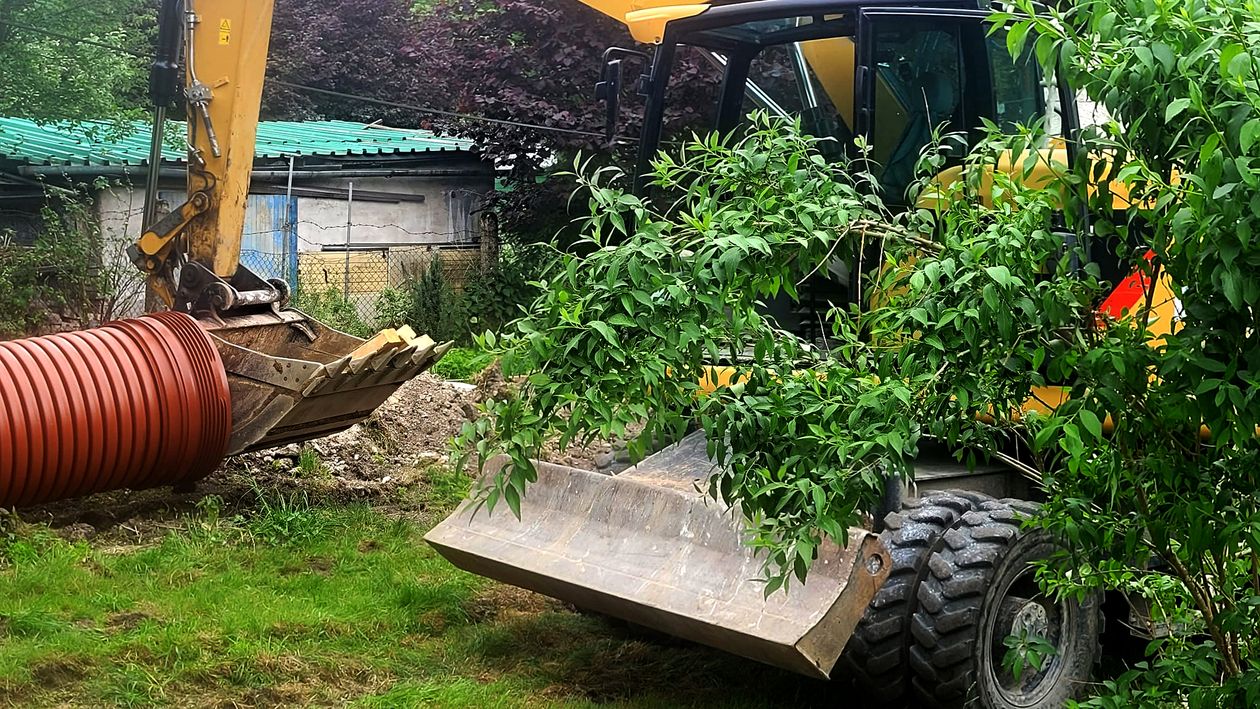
(925, 69)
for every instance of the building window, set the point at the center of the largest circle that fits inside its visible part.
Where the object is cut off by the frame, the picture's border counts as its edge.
(465, 219)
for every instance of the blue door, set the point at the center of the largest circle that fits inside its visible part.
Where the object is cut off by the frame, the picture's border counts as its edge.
(269, 242)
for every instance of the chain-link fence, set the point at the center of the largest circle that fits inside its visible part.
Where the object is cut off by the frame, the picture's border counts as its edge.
(360, 275)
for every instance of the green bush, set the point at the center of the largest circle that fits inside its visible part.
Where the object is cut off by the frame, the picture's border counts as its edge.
(393, 307)
(495, 296)
(429, 303)
(58, 274)
(433, 305)
(462, 363)
(437, 308)
(331, 307)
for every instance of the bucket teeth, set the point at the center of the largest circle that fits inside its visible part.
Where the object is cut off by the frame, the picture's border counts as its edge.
(370, 354)
(384, 357)
(315, 384)
(337, 366)
(402, 357)
(423, 354)
(391, 365)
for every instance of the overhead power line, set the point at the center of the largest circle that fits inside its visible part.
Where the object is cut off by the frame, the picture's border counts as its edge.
(337, 94)
(68, 38)
(440, 112)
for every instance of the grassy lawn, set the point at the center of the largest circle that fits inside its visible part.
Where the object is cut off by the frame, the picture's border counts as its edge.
(288, 604)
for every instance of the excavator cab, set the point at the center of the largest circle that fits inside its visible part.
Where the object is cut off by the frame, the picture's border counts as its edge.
(648, 545)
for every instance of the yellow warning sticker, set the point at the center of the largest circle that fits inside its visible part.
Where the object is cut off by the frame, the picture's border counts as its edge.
(225, 31)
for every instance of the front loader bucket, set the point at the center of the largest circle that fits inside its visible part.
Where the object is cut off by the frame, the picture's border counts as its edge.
(647, 547)
(292, 378)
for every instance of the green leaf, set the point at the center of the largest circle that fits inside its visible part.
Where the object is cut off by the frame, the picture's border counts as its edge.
(1229, 55)
(603, 329)
(621, 320)
(1249, 134)
(1240, 64)
(513, 498)
(1016, 36)
(1145, 56)
(1175, 108)
(1000, 274)
(1090, 422)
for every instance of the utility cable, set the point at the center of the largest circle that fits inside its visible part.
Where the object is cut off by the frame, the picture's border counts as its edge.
(440, 112)
(340, 94)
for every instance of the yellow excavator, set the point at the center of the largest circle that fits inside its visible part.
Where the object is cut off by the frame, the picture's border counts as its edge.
(292, 377)
(229, 366)
(917, 607)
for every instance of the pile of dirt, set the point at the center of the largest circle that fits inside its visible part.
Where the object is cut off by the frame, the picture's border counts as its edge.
(413, 428)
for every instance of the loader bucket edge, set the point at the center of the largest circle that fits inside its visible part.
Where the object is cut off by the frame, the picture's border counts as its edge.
(646, 547)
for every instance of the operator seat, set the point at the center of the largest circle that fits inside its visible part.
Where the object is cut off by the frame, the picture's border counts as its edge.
(933, 99)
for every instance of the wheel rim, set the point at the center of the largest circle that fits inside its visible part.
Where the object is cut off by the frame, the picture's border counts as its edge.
(1021, 606)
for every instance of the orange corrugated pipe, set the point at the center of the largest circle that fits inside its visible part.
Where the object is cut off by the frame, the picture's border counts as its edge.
(133, 404)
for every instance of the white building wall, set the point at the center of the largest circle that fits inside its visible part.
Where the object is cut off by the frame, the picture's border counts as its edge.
(120, 210)
(322, 221)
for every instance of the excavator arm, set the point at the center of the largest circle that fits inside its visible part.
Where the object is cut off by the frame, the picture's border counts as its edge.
(291, 377)
(224, 46)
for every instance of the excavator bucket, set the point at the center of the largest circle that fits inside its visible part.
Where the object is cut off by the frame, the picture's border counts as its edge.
(293, 378)
(648, 547)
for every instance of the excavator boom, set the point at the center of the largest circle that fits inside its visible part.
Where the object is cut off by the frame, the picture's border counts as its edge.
(227, 51)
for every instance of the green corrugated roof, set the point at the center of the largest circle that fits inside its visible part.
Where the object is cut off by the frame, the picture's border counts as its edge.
(92, 143)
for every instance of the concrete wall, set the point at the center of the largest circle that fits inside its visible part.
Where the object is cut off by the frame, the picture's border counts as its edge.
(121, 212)
(322, 221)
(442, 217)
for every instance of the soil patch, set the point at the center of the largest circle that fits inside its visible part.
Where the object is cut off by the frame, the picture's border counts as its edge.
(52, 674)
(501, 602)
(122, 622)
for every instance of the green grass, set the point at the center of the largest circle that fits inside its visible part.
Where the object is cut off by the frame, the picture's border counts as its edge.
(289, 604)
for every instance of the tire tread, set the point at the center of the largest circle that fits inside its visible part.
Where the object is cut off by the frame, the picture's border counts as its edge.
(877, 655)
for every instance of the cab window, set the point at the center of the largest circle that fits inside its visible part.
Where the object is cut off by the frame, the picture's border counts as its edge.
(920, 84)
(944, 73)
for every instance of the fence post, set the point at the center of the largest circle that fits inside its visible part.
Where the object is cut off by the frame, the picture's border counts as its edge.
(489, 241)
(286, 273)
(349, 210)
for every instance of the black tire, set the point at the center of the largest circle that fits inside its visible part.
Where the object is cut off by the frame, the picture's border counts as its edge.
(876, 656)
(979, 588)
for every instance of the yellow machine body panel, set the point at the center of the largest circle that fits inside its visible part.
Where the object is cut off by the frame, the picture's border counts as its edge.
(646, 19)
(228, 49)
(834, 62)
